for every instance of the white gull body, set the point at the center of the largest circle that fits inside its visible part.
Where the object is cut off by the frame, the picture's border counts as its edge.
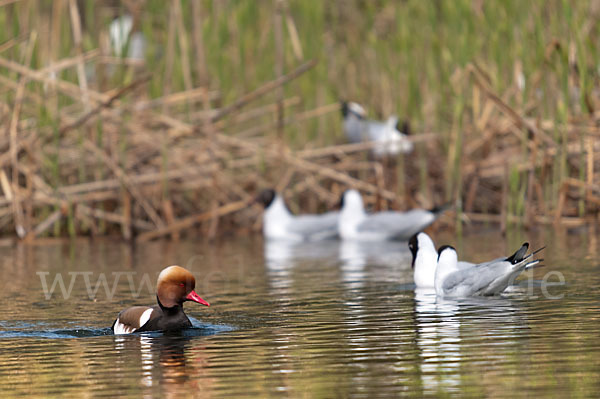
(490, 278)
(425, 259)
(279, 223)
(356, 224)
(388, 138)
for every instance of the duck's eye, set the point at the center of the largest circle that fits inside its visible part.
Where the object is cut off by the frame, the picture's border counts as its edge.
(181, 285)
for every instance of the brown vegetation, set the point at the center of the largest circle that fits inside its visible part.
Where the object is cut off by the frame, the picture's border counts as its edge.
(90, 158)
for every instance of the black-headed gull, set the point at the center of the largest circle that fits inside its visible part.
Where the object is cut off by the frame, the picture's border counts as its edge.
(120, 31)
(280, 223)
(424, 260)
(387, 135)
(490, 278)
(356, 224)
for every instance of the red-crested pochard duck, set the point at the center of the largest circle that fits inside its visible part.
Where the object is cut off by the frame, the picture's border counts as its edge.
(175, 286)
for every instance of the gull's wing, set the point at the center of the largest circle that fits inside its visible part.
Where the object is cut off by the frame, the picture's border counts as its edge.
(401, 225)
(472, 280)
(355, 129)
(377, 131)
(463, 264)
(489, 278)
(315, 227)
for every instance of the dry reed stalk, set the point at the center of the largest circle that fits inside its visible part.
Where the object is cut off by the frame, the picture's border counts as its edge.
(14, 85)
(20, 227)
(126, 225)
(55, 31)
(144, 178)
(192, 220)
(471, 193)
(201, 68)
(227, 169)
(589, 188)
(261, 129)
(278, 35)
(126, 181)
(104, 104)
(80, 59)
(335, 175)
(76, 25)
(170, 55)
(285, 180)
(311, 183)
(255, 130)
(293, 33)
(130, 62)
(215, 216)
(46, 224)
(254, 113)
(319, 111)
(264, 89)
(589, 166)
(380, 179)
(503, 106)
(529, 202)
(307, 166)
(44, 196)
(183, 45)
(10, 43)
(167, 207)
(112, 217)
(7, 2)
(67, 88)
(196, 94)
(562, 197)
(504, 205)
(571, 222)
(17, 148)
(299, 163)
(198, 41)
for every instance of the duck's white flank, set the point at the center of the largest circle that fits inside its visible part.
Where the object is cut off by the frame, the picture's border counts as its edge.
(121, 328)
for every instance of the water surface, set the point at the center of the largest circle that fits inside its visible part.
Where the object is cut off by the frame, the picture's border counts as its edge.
(319, 320)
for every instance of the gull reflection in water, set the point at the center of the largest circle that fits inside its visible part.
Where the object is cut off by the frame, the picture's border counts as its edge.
(361, 263)
(388, 259)
(438, 338)
(442, 324)
(282, 256)
(286, 261)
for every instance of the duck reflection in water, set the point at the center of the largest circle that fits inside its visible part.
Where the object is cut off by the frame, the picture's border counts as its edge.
(172, 360)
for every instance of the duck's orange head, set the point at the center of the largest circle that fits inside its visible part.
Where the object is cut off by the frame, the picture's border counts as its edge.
(175, 286)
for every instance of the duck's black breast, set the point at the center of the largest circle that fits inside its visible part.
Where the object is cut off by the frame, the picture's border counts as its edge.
(167, 319)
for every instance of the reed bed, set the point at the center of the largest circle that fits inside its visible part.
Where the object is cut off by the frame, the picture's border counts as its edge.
(232, 97)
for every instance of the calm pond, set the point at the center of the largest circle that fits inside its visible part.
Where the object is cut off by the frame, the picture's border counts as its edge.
(322, 320)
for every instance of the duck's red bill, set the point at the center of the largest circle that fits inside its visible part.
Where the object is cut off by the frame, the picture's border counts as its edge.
(192, 296)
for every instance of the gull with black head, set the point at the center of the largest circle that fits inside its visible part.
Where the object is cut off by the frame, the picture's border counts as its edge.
(280, 224)
(356, 224)
(391, 137)
(490, 278)
(425, 259)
